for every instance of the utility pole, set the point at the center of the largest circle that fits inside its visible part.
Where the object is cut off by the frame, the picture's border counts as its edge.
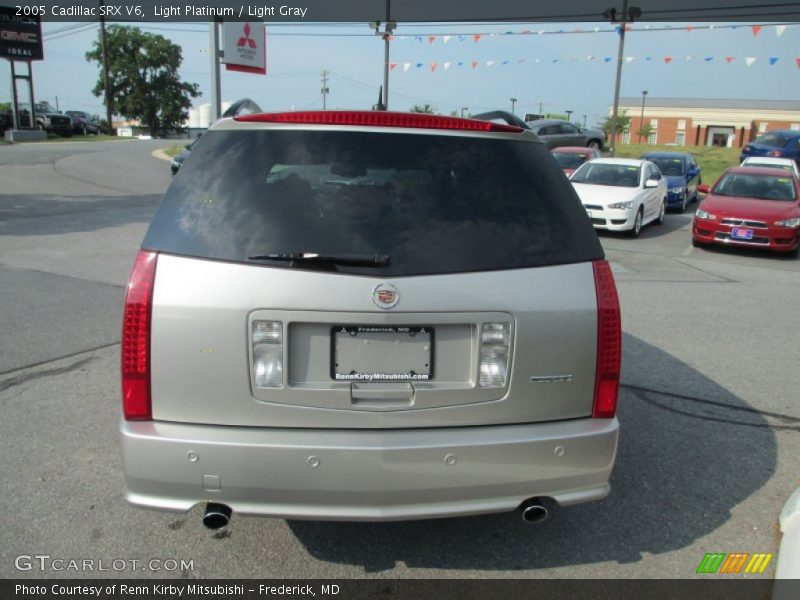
(611, 15)
(106, 84)
(641, 116)
(569, 115)
(513, 103)
(541, 108)
(216, 84)
(325, 90)
(584, 121)
(463, 110)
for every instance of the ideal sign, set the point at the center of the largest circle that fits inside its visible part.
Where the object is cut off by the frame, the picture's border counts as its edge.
(245, 47)
(20, 37)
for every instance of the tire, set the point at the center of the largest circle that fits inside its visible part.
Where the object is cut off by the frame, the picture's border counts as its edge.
(594, 144)
(637, 224)
(695, 243)
(663, 212)
(684, 201)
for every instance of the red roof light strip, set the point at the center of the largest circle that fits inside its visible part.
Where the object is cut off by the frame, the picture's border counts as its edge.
(378, 119)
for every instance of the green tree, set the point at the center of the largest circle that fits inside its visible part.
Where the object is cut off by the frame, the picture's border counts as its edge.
(143, 76)
(623, 123)
(644, 132)
(425, 108)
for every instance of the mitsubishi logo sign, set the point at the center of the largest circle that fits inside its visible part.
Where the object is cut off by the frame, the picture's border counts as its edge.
(246, 39)
(244, 47)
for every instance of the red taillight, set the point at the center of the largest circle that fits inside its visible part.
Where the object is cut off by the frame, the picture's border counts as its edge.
(377, 119)
(609, 342)
(136, 339)
(775, 153)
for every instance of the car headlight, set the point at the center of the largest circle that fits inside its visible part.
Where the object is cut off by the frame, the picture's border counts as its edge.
(175, 163)
(795, 222)
(676, 190)
(622, 205)
(701, 214)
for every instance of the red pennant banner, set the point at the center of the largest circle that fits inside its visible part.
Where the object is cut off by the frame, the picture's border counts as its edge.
(797, 60)
(729, 59)
(475, 63)
(756, 29)
(431, 39)
(689, 28)
(392, 66)
(476, 37)
(433, 66)
(667, 59)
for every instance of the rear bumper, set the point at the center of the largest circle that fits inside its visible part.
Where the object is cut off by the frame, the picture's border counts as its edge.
(367, 475)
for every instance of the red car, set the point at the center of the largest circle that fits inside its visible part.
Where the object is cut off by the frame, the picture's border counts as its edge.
(569, 158)
(750, 207)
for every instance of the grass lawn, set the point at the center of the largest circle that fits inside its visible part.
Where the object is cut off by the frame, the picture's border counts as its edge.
(712, 161)
(174, 150)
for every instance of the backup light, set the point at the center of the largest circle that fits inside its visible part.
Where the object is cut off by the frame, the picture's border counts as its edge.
(378, 119)
(609, 342)
(267, 343)
(135, 351)
(493, 370)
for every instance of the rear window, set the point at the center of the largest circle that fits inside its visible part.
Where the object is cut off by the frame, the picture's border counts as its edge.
(776, 140)
(432, 203)
(569, 160)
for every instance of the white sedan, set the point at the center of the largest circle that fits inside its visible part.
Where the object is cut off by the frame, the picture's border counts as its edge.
(773, 163)
(621, 194)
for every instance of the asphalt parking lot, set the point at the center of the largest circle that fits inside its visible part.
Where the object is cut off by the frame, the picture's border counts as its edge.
(708, 408)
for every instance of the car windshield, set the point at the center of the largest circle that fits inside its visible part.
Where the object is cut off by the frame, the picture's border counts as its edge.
(668, 166)
(570, 160)
(776, 140)
(607, 174)
(433, 203)
(761, 187)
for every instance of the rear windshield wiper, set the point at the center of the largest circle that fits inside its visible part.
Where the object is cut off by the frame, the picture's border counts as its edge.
(354, 260)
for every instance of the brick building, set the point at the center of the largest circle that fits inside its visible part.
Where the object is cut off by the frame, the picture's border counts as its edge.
(707, 122)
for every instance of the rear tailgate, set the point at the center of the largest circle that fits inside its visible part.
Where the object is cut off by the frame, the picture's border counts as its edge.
(202, 357)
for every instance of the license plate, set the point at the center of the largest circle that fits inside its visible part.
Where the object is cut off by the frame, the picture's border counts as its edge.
(742, 233)
(364, 353)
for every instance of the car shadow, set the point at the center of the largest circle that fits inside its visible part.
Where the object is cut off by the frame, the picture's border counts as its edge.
(675, 481)
(757, 253)
(22, 215)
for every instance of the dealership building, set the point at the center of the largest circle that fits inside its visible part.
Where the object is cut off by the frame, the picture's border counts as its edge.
(706, 122)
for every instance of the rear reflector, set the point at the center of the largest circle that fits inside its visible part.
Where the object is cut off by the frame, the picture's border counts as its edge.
(136, 405)
(378, 119)
(609, 342)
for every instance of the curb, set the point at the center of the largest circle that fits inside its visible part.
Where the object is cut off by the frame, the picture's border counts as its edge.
(161, 154)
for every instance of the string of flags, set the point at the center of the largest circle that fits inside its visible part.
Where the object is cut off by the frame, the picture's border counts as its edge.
(475, 64)
(476, 37)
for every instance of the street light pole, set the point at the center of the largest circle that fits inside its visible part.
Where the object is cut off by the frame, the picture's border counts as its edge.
(611, 15)
(641, 116)
(513, 102)
(569, 114)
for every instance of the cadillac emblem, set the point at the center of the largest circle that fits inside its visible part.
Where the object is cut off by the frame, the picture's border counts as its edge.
(385, 296)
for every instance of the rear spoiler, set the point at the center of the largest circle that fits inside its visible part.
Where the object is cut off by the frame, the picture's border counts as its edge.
(244, 106)
(501, 116)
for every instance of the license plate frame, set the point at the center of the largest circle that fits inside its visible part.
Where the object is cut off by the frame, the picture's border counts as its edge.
(383, 335)
(742, 233)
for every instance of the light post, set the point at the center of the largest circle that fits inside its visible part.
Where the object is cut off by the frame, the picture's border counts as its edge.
(569, 114)
(584, 121)
(463, 110)
(513, 102)
(634, 12)
(641, 116)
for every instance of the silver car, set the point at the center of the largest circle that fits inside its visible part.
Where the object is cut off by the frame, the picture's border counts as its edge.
(369, 316)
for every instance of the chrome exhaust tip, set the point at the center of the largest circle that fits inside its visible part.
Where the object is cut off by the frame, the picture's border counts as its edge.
(533, 511)
(217, 516)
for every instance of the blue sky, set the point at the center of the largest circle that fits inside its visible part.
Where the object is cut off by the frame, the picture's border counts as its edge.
(355, 62)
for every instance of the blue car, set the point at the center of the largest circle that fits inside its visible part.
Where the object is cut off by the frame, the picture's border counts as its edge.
(781, 143)
(682, 174)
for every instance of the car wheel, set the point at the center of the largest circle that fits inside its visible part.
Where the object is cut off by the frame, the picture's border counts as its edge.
(684, 201)
(637, 224)
(662, 213)
(695, 243)
(594, 144)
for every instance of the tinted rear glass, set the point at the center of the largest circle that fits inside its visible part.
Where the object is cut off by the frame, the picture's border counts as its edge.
(777, 140)
(433, 203)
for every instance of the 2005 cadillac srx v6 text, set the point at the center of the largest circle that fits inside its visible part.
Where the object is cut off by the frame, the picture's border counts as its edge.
(369, 316)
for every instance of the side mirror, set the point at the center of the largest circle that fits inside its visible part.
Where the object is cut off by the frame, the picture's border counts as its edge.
(651, 183)
(703, 188)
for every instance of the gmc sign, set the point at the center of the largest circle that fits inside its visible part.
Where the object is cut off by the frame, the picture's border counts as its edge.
(20, 37)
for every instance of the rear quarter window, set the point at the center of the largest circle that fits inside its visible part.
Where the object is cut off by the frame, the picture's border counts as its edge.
(433, 203)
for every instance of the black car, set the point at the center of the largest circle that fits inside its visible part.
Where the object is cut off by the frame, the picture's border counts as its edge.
(83, 122)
